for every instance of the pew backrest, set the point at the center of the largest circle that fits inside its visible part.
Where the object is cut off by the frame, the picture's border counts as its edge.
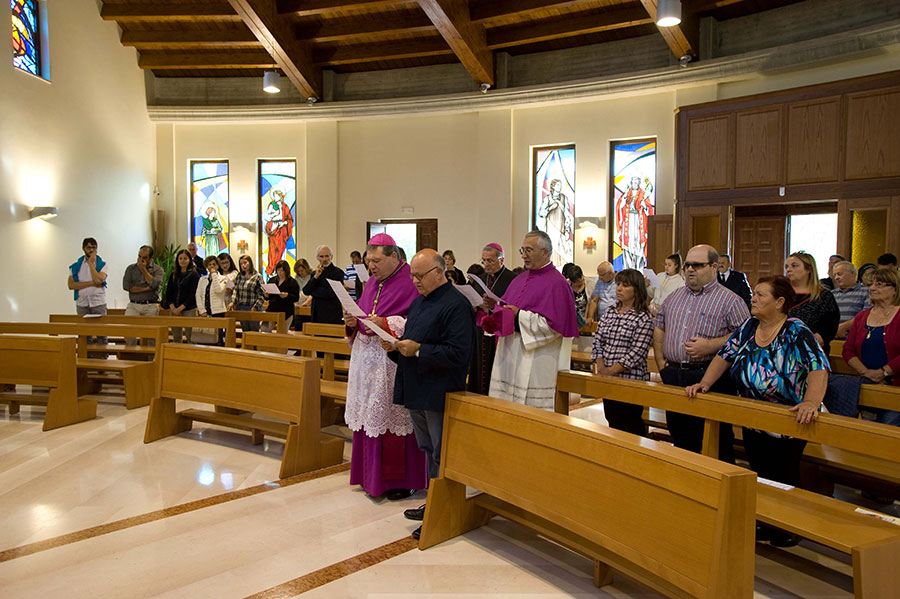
(28, 359)
(84, 329)
(227, 323)
(306, 344)
(276, 318)
(320, 329)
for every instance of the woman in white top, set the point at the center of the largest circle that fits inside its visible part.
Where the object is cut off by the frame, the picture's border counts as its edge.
(211, 293)
(668, 282)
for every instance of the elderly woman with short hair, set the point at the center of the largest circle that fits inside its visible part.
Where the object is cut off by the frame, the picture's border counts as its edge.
(873, 344)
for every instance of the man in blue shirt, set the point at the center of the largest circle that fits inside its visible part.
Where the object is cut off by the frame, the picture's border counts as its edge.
(432, 356)
(604, 294)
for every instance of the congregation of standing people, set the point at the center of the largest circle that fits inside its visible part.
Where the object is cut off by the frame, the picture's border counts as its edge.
(707, 328)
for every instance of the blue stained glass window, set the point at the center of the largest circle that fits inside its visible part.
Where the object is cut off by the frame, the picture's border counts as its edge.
(210, 224)
(25, 36)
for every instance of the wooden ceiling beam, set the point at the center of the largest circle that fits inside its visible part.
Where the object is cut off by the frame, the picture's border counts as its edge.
(467, 39)
(277, 37)
(342, 55)
(150, 40)
(303, 8)
(682, 39)
(206, 60)
(568, 26)
(487, 13)
(183, 11)
(369, 28)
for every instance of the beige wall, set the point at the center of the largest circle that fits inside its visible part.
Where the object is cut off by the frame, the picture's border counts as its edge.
(82, 143)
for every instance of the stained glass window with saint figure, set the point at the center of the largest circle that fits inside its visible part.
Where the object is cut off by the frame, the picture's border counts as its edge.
(25, 36)
(209, 207)
(632, 200)
(553, 199)
(277, 214)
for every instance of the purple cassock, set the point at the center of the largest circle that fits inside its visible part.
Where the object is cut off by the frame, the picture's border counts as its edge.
(385, 453)
(543, 291)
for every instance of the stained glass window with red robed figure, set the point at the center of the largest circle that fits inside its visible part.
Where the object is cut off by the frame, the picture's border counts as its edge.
(25, 36)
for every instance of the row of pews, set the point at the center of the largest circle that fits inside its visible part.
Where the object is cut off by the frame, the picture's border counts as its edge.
(607, 495)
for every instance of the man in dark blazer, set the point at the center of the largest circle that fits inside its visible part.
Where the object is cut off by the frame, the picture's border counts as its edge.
(734, 280)
(432, 356)
(326, 307)
(497, 278)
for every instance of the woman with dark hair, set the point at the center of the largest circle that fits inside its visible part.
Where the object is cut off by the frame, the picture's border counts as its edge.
(873, 344)
(289, 292)
(582, 288)
(211, 294)
(228, 270)
(248, 292)
(181, 291)
(669, 281)
(621, 345)
(773, 357)
(815, 305)
(453, 274)
(475, 269)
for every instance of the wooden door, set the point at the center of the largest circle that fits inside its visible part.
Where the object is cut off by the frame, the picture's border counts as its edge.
(659, 240)
(759, 246)
(426, 231)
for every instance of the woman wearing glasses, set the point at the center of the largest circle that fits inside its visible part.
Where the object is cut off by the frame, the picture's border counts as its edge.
(873, 344)
(816, 306)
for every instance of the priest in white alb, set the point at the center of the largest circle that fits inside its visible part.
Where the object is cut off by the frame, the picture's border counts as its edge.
(535, 327)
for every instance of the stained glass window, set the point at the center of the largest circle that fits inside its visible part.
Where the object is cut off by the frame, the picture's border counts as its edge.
(632, 200)
(553, 200)
(209, 206)
(25, 36)
(277, 206)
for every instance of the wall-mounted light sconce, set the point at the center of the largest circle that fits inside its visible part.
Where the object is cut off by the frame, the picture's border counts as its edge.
(44, 212)
(668, 13)
(271, 83)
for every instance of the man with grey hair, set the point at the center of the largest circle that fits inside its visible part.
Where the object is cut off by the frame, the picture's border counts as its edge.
(852, 297)
(497, 278)
(142, 280)
(535, 327)
(326, 307)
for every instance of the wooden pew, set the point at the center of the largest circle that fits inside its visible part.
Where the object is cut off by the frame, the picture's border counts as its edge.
(276, 318)
(602, 493)
(333, 392)
(872, 543)
(137, 377)
(197, 322)
(302, 311)
(286, 388)
(43, 361)
(318, 329)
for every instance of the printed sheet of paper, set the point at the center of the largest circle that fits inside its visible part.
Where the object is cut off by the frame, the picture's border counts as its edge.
(378, 330)
(361, 272)
(470, 294)
(654, 280)
(484, 290)
(271, 288)
(346, 301)
(92, 315)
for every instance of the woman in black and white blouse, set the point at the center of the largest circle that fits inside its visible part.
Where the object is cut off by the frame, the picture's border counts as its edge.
(621, 344)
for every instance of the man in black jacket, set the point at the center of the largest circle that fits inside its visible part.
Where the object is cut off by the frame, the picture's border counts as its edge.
(326, 307)
(497, 278)
(432, 356)
(734, 280)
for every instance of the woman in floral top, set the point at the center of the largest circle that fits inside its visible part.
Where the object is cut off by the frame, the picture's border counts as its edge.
(621, 344)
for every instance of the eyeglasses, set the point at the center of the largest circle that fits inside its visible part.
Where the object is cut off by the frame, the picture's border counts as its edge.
(526, 251)
(880, 284)
(419, 277)
(696, 265)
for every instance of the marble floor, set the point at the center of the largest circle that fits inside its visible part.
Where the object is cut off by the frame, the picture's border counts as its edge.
(91, 511)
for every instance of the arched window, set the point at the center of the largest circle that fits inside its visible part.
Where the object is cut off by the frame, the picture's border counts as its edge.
(26, 33)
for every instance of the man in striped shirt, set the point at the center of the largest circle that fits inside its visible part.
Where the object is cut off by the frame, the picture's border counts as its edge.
(691, 326)
(852, 297)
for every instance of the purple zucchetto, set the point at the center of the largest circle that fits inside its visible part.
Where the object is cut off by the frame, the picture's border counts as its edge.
(382, 239)
(496, 246)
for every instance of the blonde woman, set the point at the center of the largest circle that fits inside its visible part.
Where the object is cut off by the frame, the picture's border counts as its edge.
(815, 306)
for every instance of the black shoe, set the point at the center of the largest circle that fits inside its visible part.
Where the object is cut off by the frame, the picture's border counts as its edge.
(781, 538)
(415, 514)
(763, 533)
(398, 494)
(416, 533)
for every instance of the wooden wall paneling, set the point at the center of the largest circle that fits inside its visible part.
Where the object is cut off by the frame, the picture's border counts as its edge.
(845, 228)
(659, 240)
(814, 145)
(759, 246)
(758, 147)
(873, 143)
(706, 224)
(710, 152)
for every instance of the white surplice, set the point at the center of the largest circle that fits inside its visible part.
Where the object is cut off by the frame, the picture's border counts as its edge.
(526, 363)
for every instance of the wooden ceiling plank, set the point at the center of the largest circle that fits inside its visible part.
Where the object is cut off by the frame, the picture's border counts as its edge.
(682, 39)
(342, 55)
(150, 40)
(303, 8)
(567, 26)
(488, 12)
(206, 60)
(466, 39)
(192, 11)
(343, 30)
(277, 37)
